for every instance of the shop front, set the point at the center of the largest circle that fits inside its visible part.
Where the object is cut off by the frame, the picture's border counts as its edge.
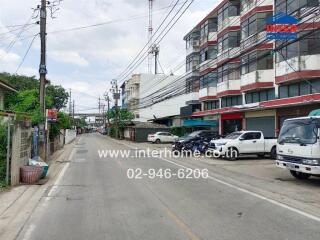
(292, 112)
(263, 120)
(230, 123)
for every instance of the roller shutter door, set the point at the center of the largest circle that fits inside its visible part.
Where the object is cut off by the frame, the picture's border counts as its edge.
(264, 124)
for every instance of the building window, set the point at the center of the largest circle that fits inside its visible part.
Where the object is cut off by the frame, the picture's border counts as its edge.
(229, 71)
(192, 61)
(210, 105)
(192, 85)
(229, 40)
(309, 45)
(231, 101)
(260, 96)
(208, 80)
(254, 24)
(230, 9)
(259, 60)
(192, 39)
(299, 89)
(212, 24)
(292, 7)
(207, 53)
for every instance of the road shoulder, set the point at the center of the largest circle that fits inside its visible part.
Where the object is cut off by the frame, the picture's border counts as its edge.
(17, 204)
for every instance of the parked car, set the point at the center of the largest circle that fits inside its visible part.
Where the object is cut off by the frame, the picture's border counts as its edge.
(186, 142)
(162, 137)
(244, 142)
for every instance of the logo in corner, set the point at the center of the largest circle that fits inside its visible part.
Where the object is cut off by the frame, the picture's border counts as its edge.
(281, 27)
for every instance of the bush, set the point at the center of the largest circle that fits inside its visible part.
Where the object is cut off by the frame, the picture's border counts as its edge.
(112, 132)
(3, 154)
(178, 131)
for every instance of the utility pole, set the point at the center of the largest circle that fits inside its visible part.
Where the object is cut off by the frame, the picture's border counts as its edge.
(73, 111)
(108, 106)
(43, 67)
(155, 50)
(116, 97)
(99, 103)
(70, 104)
(43, 73)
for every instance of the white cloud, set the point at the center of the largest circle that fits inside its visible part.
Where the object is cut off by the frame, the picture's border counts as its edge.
(88, 59)
(69, 57)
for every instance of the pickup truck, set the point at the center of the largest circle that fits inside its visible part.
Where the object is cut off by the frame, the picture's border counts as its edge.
(244, 143)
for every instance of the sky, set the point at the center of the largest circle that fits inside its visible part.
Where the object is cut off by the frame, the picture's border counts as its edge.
(87, 60)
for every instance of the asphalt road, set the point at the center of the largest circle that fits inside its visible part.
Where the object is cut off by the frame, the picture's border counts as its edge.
(93, 198)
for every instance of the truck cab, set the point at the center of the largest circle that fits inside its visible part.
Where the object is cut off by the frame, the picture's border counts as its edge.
(298, 147)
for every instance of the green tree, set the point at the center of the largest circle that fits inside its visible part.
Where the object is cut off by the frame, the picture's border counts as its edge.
(124, 116)
(59, 96)
(27, 102)
(64, 120)
(20, 82)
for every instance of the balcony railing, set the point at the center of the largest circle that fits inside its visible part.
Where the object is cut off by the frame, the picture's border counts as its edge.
(228, 85)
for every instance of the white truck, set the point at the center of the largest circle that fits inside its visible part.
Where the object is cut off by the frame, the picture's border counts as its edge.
(244, 143)
(298, 148)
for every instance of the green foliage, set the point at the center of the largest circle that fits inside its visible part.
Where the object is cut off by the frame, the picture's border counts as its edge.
(178, 131)
(124, 116)
(64, 120)
(58, 95)
(27, 102)
(112, 132)
(20, 82)
(3, 154)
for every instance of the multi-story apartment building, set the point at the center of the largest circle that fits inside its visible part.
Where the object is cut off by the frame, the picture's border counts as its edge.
(246, 81)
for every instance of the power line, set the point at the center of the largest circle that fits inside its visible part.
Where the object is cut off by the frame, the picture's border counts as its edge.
(149, 41)
(105, 22)
(161, 38)
(25, 55)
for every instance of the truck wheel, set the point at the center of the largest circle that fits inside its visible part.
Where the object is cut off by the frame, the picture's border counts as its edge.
(232, 154)
(158, 141)
(300, 175)
(273, 153)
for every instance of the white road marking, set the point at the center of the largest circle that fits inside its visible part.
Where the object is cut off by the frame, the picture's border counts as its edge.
(29, 231)
(279, 204)
(61, 174)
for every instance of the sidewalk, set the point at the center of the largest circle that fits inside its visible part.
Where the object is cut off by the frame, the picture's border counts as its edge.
(18, 203)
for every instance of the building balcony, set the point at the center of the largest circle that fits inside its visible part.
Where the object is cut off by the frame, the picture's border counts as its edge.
(260, 5)
(212, 36)
(208, 65)
(293, 69)
(207, 93)
(228, 53)
(229, 22)
(194, 48)
(257, 79)
(229, 87)
(253, 41)
(192, 97)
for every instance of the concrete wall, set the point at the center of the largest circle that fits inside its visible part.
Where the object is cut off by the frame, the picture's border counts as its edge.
(70, 135)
